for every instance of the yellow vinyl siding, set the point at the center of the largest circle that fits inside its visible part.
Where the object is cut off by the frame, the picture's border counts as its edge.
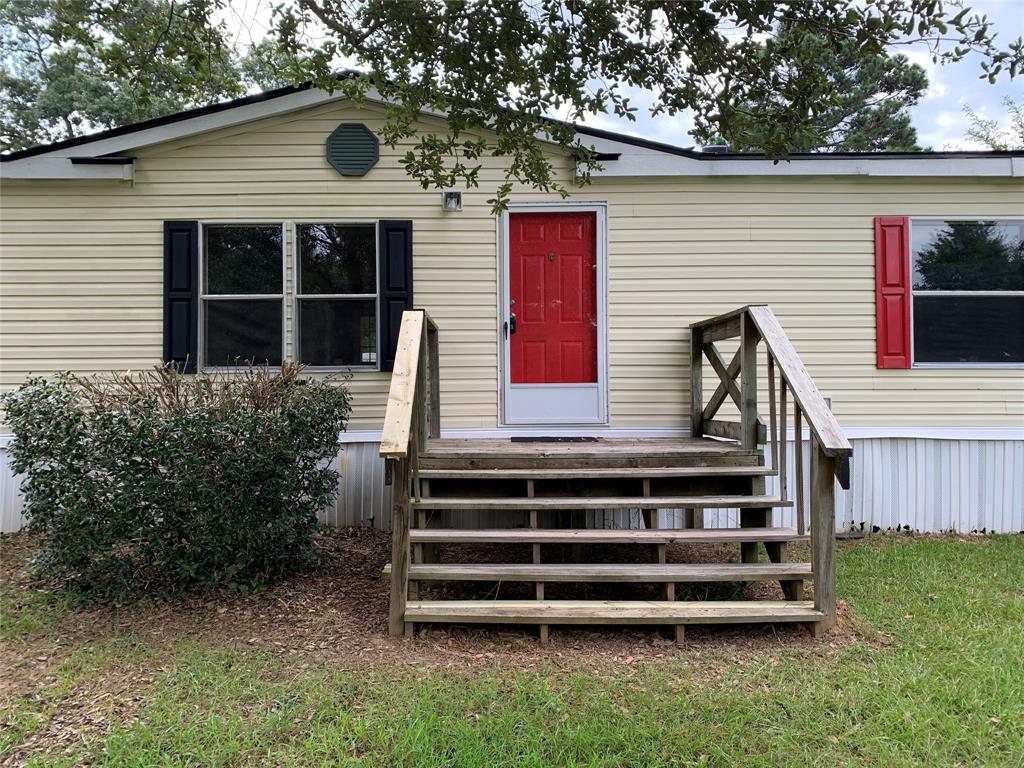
(81, 269)
(683, 249)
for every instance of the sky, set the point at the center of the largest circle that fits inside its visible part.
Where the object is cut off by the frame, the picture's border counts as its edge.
(939, 116)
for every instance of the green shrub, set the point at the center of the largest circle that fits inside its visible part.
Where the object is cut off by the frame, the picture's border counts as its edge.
(160, 482)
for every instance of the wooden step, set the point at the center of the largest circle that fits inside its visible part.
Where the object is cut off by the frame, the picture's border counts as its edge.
(586, 473)
(611, 611)
(638, 461)
(600, 535)
(616, 572)
(508, 453)
(603, 502)
(530, 450)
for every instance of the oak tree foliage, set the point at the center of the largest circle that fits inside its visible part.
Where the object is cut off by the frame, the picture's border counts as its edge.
(70, 67)
(499, 70)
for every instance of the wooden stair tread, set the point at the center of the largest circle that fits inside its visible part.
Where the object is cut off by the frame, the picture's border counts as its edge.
(613, 572)
(602, 502)
(611, 611)
(598, 448)
(600, 535)
(525, 473)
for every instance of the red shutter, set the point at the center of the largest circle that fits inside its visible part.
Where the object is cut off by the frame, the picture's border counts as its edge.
(892, 292)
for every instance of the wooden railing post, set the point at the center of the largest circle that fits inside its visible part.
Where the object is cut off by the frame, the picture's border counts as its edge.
(823, 535)
(412, 415)
(435, 381)
(696, 382)
(399, 547)
(748, 382)
(420, 405)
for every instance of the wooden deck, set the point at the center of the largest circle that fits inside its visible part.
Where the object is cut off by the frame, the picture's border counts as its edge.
(587, 448)
(598, 453)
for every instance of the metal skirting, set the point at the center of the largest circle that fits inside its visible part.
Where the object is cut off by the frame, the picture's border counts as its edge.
(926, 484)
(10, 495)
(919, 484)
(362, 499)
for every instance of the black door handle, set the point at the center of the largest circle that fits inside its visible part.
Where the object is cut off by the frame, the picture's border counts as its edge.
(510, 325)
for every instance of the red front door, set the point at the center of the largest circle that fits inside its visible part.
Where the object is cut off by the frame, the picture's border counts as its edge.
(553, 293)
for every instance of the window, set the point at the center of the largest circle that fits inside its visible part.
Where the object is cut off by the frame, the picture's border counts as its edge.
(332, 287)
(336, 294)
(968, 291)
(242, 316)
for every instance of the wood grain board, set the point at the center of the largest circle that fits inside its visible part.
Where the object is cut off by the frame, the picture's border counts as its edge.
(612, 611)
(602, 535)
(609, 572)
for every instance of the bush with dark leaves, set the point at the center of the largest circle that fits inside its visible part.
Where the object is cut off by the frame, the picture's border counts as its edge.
(157, 483)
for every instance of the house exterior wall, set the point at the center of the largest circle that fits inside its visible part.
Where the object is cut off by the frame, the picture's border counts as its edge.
(81, 273)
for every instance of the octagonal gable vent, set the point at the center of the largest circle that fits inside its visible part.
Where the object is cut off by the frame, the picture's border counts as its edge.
(352, 149)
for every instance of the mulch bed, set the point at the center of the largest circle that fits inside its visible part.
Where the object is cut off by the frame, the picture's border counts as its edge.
(337, 613)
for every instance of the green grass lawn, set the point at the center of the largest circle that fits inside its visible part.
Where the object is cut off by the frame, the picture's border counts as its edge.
(935, 677)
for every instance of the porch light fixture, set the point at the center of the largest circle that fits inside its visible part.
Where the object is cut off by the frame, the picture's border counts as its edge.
(451, 200)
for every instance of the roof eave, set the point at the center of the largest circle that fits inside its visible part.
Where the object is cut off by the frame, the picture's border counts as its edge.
(637, 156)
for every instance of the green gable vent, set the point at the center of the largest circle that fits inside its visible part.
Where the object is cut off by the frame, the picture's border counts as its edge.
(352, 149)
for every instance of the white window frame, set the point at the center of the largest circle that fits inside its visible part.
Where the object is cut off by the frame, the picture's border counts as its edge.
(914, 292)
(296, 295)
(203, 297)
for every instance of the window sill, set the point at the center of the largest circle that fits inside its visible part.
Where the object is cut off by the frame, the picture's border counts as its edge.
(970, 366)
(341, 369)
(306, 369)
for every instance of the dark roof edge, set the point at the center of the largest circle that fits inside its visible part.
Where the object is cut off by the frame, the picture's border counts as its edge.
(103, 160)
(582, 129)
(697, 155)
(156, 122)
(636, 141)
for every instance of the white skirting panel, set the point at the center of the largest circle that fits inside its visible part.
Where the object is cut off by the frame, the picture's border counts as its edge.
(10, 493)
(921, 484)
(926, 484)
(363, 499)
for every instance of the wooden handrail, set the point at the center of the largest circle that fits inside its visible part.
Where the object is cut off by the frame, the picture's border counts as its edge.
(413, 413)
(415, 365)
(754, 323)
(808, 399)
(829, 449)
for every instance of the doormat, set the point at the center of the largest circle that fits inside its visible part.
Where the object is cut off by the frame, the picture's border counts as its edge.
(554, 439)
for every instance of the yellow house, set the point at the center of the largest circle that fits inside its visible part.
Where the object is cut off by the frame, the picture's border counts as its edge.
(927, 382)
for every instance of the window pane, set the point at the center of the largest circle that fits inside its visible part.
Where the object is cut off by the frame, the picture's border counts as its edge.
(968, 255)
(338, 331)
(243, 258)
(969, 329)
(237, 330)
(337, 258)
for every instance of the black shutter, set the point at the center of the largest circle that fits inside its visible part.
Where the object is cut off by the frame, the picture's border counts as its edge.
(395, 285)
(181, 294)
